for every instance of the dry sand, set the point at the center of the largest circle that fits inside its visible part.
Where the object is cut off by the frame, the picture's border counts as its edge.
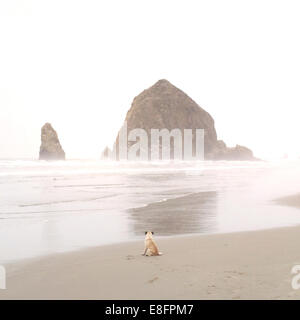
(246, 265)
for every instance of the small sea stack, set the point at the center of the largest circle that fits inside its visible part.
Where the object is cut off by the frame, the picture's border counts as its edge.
(50, 146)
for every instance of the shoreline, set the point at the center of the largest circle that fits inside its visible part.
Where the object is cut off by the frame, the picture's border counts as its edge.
(239, 265)
(36, 258)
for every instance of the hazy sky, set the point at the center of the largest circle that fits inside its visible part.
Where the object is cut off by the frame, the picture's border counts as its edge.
(79, 64)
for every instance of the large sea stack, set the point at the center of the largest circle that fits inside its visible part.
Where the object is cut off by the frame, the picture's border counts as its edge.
(50, 146)
(165, 106)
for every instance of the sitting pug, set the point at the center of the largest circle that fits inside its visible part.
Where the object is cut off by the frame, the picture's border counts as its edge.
(151, 248)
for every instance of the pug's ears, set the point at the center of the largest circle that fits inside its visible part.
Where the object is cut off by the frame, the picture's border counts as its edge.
(146, 232)
(152, 232)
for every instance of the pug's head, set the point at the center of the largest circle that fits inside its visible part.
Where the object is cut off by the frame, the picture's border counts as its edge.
(149, 234)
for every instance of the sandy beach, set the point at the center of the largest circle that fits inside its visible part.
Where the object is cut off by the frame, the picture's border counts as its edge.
(245, 265)
(178, 119)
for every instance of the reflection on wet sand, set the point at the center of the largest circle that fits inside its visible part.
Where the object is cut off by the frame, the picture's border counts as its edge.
(192, 213)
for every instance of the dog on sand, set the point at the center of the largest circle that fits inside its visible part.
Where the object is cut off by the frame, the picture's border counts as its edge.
(151, 248)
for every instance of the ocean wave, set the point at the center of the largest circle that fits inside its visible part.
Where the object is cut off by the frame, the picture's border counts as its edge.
(85, 167)
(65, 201)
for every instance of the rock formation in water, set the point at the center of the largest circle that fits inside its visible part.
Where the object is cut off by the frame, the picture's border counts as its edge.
(165, 106)
(50, 147)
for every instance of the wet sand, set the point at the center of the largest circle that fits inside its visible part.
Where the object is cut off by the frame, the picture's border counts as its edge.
(245, 265)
